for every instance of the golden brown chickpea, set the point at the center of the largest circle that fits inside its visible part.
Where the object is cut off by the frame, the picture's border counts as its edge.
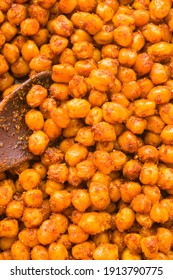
(38, 142)
(104, 11)
(144, 108)
(51, 129)
(123, 18)
(41, 37)
(79, 35)
(124, 219)
(9, 30)
(155, 124)
(103, 162)
(164, 237)
(73, 178)
(62, 26)
(143, 64)
(60, 116)
(38, 13)
(6, 193)
(149, 246)
(110, 51)
(84, 67)
(5, 243)
(29, 26)
(16, 14)
(29, 50)
(144, 221)
(60, 200)
(39, 252)
(159, 213)
(119, 159)
(15, 209)
(105, 35)
(52, 186)
(47, 233)
(59, 91)
(160, 51)
(95, 222)
(83, 50)
(58, 172)
(129, 190)
(77, 86)
(86, 7)
(138, 41)
(81, 199)
(146, 85)
(75, 154)
(9, 228)
(166, 135)
(103, 131)
(85, 169)
(3, 64)
(47, 106)
(141, 204)
(159, 74)
(127, 57)
(19, 251)
(57, 252)
(123, 36)
(36, 95)
(60, 221)
(153, 192)
(33, 198)
(83, 251)
(152, 33)
(165, 153)
(40, 63)
(165, 112)
(141, 17)
(148, 153)
(32, 217)
(128, 142)
(98, 77)
(20, 68)
(106, 251)
(63, 73)
(114, 190)
(52, 155)
(99, 195)
(67, 6)
(159, 11)
(117, 238)
(67, 56)
(2, 38)
(128, 255)
(58, 44)
(114, 113)
(29, 179)
(132, 241)
(126, 75)
(149, 173)
(165, 178)
(11, 53)
(136, 125)
(101, 238)
(94, 116)
(85, 136)
(28, 237)
(34, 119)
(76, 234)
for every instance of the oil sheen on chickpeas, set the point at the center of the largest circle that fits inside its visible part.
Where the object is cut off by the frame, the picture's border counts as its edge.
(100, 186)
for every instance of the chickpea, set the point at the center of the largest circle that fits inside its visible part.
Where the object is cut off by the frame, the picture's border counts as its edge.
(76, 234)
(60, 200)
(158, 74)
(10, 52)
(33, 198)
(6, 193)
(129, 190)
(106, 252)
(63, 73)
(39, 14)
(9, 30)
(152, 33)
(19, 251)
(85, 67)
(60, 221)
(57, 252)
(126, 75)
(39, 252)
(95, 222)
(141, 204)
(52, 155)
(165, 153)
(85, 169)
(9, 228)
(149, 246)
(29, 26)
(81, 199)
(40, 63)
(15, 209)
(83, 251)
(144, 220)
(99, 195)
(165, 179)
(28, 237)
(29, 179)
(46, 107)
(128, 255)
(166, 135)
(124, 219)
(47, 232)
(158, 12)
(159, 213)
(98, 77)
(58, 172)
(114, 113)
(128, 142)
(138, 41)
(5, 243)
(32, 217)
(38, 142)
(68, 6)
(123, 36)
(145, 85)
(103, 131)
(149, 174)
(75, 154)
(132, 241)
(144, 108)
(16, 14)
(67, 56)
(103, 162)
(164, 237)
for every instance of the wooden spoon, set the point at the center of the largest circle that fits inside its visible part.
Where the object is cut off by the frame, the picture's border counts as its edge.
(14, 132)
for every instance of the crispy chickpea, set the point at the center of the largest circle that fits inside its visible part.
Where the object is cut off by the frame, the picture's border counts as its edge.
(58, 44)
(51, 129)
(52, 186)
(6, 193)
(106, 251)
(83, 50)
(47, 233)
(46, 107)
(126, 74)
(29, 50)
(76, 234)
(16, 14)
(28, 237)
(75, 154)
(153, 192)
(40, 63)
(85, 136)
(29, 179)
(41, 37)
(129, 190)
(119, 159)
(39, 252)
(10, 52)
(138, 41)
(144, 220)
(164, 237)
(145, 85)
(152, 33)
(58, 172)
(159, 213)
(136, 125)
(155, 124)
(159, 74)
(95, 222)
(59, 91)
(36, 95)
(60, 200)
(127, 57)
(166, 153)
(29, 26)
(67, 56)
(110, 51)
(165, 178)
(114, 113)
(33, 198)
(32, 217)
(159, 11)
(123, 36)
(34, 119)
(165, 112)
(57, 252)
(114, 190)
(149, 173)
(15, 209)
(144, 108)
(60, 116)
(38, 142)
(19, 251)
(9, 228)
(128, 255)
(94, 116)
(101, 238)
(78, 86)
(99, 195)
(103, 162)
(143, 64)
(141, 204)
(98, 77)
(128, 142)
(84, 67)
(3, 64)
(6, 80)
(63, 73)
(67, 6)
(105, 35)
(103, 131)
(166, 135)
(124, 219)
(5, 243)
(83, 251)
(81, 199)
(149, 246)
(38, 13)
(61, 222)
(52, 155)
(73, 179)
(132, 241)
(85, 169)
(9, 30)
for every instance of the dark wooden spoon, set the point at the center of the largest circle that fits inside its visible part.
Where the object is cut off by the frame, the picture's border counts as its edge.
(14, 132)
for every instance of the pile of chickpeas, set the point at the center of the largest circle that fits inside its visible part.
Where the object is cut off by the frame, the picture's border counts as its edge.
(100, 186)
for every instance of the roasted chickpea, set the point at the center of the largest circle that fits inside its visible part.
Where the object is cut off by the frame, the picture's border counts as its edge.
(29, 179)
(39, 252)
(124, 219)
(15, 209)
(149, 246)
(19, 251)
